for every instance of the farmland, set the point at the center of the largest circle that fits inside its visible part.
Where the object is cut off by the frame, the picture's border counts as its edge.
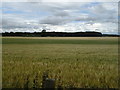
(80, 62)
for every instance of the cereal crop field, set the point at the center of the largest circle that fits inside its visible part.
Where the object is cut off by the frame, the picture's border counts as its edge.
(79, 62)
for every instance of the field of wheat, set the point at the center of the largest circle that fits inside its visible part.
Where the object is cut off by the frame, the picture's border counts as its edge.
(72, 62)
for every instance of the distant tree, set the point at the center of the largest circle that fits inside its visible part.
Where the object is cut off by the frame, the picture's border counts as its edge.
(43, 30)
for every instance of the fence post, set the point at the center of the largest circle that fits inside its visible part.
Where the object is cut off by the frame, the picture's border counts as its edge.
(47, 82)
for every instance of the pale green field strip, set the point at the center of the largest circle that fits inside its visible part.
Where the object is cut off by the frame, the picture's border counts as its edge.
(59, 40)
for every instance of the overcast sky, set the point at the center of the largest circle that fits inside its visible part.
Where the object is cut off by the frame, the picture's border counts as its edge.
(60, 16)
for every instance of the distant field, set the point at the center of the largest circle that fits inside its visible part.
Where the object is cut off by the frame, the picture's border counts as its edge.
(80, 38)
(81, 62)
(60, 40)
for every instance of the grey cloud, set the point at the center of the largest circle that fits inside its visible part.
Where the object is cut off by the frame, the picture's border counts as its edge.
(98, 13)
(103, 14)
(54, 20)
(62, 13)
(87, 18)
(10, 23)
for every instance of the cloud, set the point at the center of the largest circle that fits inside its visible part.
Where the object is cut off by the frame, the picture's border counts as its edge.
(60, 1)
(29, 16)
(11, 24)
(62, 13)
(55, 20)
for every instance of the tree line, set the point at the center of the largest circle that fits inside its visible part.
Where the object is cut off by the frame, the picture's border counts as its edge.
(57, 34)
(53, 34)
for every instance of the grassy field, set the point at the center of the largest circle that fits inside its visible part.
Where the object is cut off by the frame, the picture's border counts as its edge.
(81, 62)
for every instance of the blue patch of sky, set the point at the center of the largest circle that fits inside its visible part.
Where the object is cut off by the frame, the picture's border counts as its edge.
(87, 12)
(91, 4)
(26, 15)
(119, 17)
(22, 12)
(12, 12)
(85, 9)
(9, 10)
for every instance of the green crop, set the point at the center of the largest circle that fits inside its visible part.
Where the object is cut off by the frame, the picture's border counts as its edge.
(78, 63)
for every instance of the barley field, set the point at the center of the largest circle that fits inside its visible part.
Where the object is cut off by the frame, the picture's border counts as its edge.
(79, 62)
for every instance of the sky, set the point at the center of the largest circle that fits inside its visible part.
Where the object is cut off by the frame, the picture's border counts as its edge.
(60, 17)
